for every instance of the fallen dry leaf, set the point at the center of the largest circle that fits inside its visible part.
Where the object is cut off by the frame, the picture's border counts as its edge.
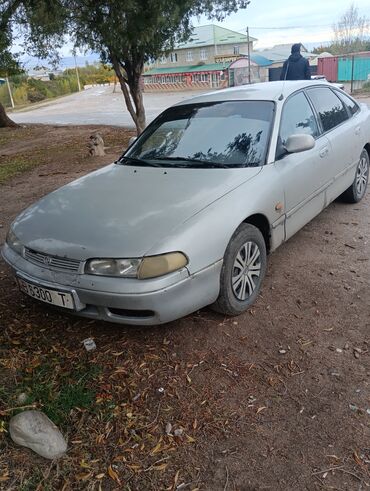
(160, 467)
(113, 474)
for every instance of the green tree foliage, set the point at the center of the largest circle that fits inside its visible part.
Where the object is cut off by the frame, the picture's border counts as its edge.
(129, 33)
(126, 33)
(39, 23)
(93, 74)
(9, 64)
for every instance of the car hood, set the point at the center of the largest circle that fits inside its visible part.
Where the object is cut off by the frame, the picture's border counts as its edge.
(121, 211)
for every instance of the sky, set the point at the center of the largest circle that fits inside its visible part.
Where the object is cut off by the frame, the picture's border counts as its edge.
(308, 21)
(272, 22)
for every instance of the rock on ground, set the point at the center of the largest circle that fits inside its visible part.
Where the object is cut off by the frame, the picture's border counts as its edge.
(34, 430)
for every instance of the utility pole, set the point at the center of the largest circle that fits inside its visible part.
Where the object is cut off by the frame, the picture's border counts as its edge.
(249, 57)
(10, 92)
(353, 69)
(78, 77)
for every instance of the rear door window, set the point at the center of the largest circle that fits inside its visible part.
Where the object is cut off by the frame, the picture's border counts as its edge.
(350, 104)
(329, 107)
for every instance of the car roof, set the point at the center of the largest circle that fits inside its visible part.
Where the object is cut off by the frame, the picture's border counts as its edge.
(265, 91)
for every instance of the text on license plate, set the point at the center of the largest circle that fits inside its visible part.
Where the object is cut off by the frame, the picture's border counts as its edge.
(53, 297)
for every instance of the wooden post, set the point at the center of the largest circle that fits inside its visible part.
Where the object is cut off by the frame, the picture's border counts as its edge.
(10, 92)
(77, 74)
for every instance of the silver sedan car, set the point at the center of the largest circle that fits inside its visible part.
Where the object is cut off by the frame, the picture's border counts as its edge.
(187, 216)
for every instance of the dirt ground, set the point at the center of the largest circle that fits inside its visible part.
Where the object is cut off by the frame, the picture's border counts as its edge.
(276, 399)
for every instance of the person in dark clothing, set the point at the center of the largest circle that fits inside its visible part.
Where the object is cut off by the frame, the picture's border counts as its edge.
(296, 67)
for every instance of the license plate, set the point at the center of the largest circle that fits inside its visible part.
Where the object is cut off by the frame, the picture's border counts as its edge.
(53, 297)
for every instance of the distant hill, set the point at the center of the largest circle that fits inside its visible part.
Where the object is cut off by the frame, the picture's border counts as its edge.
(30, 62)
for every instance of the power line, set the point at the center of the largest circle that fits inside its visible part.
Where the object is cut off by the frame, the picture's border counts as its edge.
(289, 27)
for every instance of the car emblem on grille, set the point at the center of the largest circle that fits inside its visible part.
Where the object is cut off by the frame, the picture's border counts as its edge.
(47, 260)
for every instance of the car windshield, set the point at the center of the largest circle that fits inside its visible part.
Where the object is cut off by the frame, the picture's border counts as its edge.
(216, 134)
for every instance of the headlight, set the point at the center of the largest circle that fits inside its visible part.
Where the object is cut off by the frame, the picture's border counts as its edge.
(148, 267)
(154, 266)
(113, 267)
(13, 242)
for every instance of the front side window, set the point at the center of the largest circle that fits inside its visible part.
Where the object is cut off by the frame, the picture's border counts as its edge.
(328, 106)
(297, 118)
(215, 134)
(189, 56)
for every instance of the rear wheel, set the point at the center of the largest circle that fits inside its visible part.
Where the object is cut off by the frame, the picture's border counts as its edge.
(357, 190)
(242, 272)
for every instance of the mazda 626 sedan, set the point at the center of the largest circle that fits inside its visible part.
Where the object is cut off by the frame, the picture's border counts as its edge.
(186, 217)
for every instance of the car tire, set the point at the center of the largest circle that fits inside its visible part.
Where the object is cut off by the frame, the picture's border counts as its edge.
(243, 270)
(357, 190)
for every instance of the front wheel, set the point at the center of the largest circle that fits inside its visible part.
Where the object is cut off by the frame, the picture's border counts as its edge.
(357, 190)
(243, 270)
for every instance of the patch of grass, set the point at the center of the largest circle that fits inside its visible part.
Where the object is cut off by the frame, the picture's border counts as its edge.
(58, 397)
(15, 167)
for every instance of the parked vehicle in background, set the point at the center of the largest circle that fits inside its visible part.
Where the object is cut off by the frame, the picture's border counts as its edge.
(186, 217)
(323, 78)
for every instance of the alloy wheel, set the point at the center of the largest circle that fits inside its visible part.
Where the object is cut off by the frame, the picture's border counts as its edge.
(362, 175)
(246, 270)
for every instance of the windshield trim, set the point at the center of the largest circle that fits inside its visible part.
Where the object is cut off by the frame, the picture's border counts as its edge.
(155, 122)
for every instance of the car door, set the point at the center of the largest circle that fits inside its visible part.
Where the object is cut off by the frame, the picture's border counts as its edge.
(302, 175)
(338, 128)
(356, 122)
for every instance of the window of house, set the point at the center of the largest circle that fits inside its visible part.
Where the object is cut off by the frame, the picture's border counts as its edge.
(173, 57)
(329, 107)
(236, 50)
(297, 118)
(162, 60)
(189, 56)
(203, 54)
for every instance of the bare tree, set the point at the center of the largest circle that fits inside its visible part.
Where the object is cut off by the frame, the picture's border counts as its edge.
(351, 32)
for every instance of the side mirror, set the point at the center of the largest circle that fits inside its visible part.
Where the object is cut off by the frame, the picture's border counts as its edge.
(132, 140)
(299, 143)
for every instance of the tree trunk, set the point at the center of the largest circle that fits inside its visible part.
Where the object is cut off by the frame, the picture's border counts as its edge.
(137, 95)
(133, 94)
(6, 122)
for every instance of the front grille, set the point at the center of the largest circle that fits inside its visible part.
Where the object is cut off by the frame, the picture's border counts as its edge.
(52, 262)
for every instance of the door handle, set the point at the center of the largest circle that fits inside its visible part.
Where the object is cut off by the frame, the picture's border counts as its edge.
(357, 130)
(323, 152)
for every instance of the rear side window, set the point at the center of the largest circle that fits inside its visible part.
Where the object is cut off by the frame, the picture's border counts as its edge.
(329, 107)
(297, 118)
(349, 103)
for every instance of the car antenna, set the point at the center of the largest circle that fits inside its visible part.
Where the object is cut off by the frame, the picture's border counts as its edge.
(281, 96)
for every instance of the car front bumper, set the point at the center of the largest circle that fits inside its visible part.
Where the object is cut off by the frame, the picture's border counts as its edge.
(124, 300)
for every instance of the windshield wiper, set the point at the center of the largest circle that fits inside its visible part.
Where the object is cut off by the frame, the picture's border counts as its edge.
(135, 161)
(197, 162)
